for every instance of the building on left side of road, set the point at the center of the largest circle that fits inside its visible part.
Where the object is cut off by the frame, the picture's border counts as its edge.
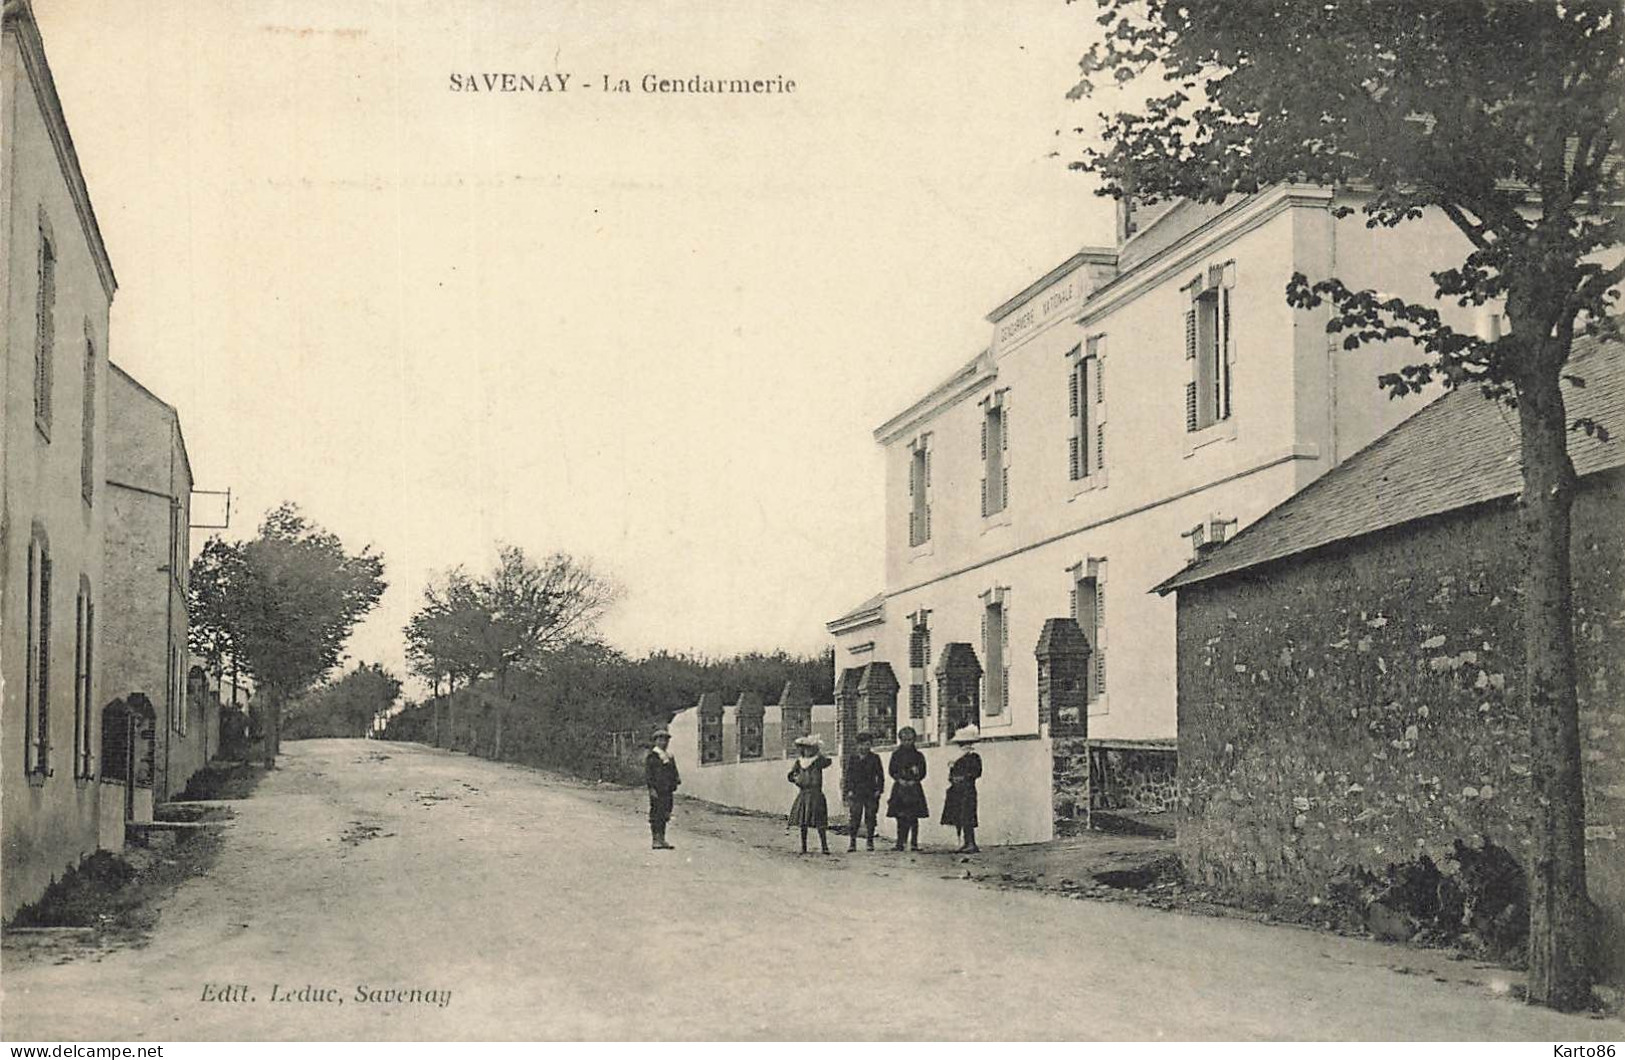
(56, 286)
(146, 557)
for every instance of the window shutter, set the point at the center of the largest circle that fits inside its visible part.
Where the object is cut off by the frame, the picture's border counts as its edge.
(913, 527)
(1190, 406)
(78, 678)
(1073, 462)
(1228, 349)
(984, 497)
(29, 673)
(984, 436)
(1004, 428)
(90, 675)
(1004, 488)
(1100, 602)
(1100, 671)
(928, 467)
(1100, 447)
(1100, 379)
(42, 762)
(913, 474)
(1074, 382)
(927, 522)
(1190, 334)
(1072, 601)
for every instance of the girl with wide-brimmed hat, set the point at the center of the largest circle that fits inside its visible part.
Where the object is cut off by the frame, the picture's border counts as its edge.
(810, 810)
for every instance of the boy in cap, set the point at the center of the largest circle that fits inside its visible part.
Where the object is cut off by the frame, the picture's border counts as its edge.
(863, 781)
(660, 775)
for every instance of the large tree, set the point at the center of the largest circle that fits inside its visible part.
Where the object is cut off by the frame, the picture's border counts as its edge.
(1503, 115)
(518, 616)
(282, 603)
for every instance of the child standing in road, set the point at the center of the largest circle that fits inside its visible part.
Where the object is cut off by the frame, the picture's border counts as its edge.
(811, 809)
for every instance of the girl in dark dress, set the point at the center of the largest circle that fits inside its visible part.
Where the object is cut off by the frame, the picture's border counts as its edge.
(959, 807)
(907, 802)
(810, 810)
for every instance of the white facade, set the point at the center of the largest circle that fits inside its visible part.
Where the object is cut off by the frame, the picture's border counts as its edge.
(1064, 470)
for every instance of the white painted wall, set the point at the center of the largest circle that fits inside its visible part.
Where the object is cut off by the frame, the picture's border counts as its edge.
(1014, 791)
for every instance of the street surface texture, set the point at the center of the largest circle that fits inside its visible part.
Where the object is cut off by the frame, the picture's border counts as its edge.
(535, 901)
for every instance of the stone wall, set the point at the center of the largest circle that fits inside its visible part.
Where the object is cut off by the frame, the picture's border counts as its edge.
(1135, 776)
(1359, 707)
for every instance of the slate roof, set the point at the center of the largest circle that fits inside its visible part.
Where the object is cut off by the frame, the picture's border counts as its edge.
(1458, 451)
(868, 610)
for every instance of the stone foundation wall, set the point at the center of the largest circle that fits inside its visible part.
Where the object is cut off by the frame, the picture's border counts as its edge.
(1142, 778)
(1361, 707)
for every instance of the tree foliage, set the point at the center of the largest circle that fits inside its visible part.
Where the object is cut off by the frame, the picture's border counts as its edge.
(282, 604)
(1504, 117)
(346, 707)
(517, 616)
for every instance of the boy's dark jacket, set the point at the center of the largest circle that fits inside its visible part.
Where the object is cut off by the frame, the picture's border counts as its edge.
(864, 777)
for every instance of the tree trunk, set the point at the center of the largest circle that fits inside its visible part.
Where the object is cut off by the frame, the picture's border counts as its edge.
(1559, 909)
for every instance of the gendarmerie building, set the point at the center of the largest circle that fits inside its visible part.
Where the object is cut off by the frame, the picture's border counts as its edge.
(1133, 406)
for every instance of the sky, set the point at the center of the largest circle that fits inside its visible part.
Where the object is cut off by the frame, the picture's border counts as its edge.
(653, 331)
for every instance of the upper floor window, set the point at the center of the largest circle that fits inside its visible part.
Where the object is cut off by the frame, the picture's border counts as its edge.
(919, 491)
(995, 652)
(87, 422)
(1209, 348)
(44, 331)
(996, 453)
(37, 683)
(1206, 536)
(1086, 406)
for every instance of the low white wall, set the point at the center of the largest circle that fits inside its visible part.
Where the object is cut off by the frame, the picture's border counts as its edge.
(1014, 792)
(110, 816)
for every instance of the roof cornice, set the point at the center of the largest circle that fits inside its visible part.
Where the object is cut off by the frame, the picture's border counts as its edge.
(1086, 256)
(978, 373)
(19, 21)
(1204, 239)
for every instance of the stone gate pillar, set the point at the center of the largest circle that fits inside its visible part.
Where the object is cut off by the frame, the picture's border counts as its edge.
(1063, 710)
(795, 714)
(748, 715)
(710, 727)
(847, 697)
(959, 690)
(877, 705)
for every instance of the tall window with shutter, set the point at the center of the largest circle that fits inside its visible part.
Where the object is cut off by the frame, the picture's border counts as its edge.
(919, 491)
(995, 653)
(1209, 349)
(995, 452)
(87, 422)
(1086, 406)
(37, 690)
(44, 331)
(919, 665)
(1089, 611)
(83, 661)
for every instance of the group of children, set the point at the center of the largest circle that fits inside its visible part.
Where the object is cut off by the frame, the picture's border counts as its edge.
(863, 782)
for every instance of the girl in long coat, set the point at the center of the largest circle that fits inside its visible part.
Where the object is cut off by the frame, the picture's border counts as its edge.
(959, 807)
(811, 809)
(907, 803)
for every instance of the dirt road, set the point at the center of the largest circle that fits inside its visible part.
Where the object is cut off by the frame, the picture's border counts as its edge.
(496, 902)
